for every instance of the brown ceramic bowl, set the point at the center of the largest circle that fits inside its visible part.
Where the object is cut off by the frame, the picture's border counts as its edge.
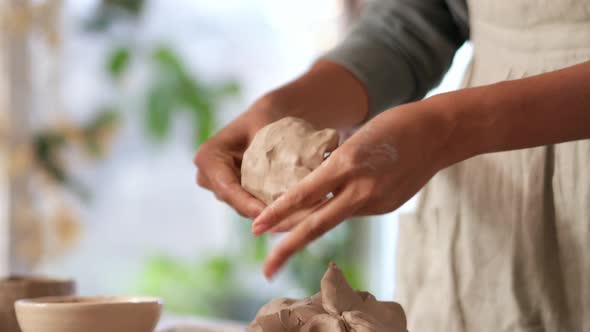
(88, 314)
(26, 287)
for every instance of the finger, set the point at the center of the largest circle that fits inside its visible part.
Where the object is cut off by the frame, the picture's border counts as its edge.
(331, 214)
(228, 189)
(309, 191)
(291, 221)
(404, 191)
(294, 219)
(202, 180)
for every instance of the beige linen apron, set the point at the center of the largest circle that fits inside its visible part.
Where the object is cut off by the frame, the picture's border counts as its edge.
(501, 242)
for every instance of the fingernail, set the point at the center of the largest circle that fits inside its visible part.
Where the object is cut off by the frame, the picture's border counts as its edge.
(257, 223)
(256, 228)
(257, 219)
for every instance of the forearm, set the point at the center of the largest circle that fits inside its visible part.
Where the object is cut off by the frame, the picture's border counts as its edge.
(327, 95)
(399, 49)
(544, 109)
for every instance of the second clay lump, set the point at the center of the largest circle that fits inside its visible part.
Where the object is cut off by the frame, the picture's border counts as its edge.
(336, 308)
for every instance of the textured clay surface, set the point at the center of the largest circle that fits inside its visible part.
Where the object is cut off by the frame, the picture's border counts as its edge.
(283, 153)
(337, 308)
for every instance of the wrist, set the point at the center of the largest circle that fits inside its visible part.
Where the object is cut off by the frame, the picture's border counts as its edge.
(327, 95)
(472, 130)
(454, 140)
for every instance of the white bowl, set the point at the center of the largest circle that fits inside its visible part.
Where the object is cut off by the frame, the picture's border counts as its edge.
(88, 314)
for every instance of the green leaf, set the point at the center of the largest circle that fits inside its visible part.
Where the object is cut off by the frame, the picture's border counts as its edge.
(308, 266)
(352, 274)
(218, 269)
(100, 21)
(200, 103)
(109, 12)
(159, 106)
(169, 61)
(260, 248)
(104, 121)
(133, 7)
(205, 123)
(108, 116)
(173, 279)
(47, 146)
(118, 61)
(200, 100)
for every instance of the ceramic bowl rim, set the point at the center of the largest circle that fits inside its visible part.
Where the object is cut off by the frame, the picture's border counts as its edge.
(87, 301)
(34, 279)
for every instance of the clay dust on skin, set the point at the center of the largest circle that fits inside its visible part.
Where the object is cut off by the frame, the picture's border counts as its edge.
(372, 154)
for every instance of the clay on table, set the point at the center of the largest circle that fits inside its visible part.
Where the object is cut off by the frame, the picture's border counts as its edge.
(281, 154)
(336, 308)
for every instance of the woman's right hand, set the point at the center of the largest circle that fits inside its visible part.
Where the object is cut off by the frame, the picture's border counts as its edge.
(326, 96)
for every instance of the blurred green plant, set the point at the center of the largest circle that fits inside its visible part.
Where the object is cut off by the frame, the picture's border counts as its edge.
(179, 281)
(214, 286)
(309, 265)
(109, 12)
(93, 137)
(173, 90)
(118, 62)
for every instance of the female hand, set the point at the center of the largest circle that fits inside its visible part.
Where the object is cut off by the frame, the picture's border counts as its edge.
(218, 160)
(326, 96)
(388, 160)
(375, 171)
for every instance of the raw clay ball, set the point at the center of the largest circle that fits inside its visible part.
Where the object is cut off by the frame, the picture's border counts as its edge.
(281, 154)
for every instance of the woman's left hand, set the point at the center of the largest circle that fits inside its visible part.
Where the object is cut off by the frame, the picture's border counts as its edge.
(375, 171)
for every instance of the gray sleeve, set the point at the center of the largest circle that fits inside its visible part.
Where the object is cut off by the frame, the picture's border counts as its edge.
(400, 49)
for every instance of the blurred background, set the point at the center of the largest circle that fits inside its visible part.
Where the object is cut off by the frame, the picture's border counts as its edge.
(103, 104)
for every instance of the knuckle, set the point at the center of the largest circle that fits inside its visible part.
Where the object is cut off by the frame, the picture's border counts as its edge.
(222, 195)
(288, 201)
(372, 186)
(271, 212)
(297, 198)
(241, 213)
(233, 187)
(201, 155)
(349, 162)
(363, 196)
(201, 180)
